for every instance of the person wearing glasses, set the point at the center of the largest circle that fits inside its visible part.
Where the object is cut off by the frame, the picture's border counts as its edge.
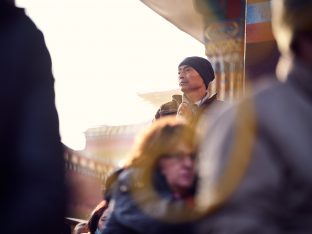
(154, 193)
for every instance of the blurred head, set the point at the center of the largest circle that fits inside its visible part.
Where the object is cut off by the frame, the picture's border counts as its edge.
(291, 21)
(98, 217)
(103, 218)
(81, 228)
(168, 146)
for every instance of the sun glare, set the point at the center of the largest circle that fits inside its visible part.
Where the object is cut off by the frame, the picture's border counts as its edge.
(103, 54)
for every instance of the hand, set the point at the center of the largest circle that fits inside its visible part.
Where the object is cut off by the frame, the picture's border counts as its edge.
(185, 111)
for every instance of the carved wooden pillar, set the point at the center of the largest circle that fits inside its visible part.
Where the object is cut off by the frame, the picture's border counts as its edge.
(224, 38)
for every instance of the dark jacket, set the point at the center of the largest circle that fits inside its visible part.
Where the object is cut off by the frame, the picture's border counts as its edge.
(137, 211)
(32, 196)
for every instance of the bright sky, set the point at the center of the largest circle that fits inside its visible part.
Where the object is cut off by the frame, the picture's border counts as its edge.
(103, 53)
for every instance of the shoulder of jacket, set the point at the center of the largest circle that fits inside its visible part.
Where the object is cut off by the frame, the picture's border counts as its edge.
(177, 98)
(129, 177)
(170, 107)
(212, 99)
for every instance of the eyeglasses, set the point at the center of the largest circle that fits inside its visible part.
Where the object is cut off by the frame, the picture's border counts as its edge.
(180, 156)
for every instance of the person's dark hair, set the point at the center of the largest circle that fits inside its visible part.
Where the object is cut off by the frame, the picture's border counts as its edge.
(110, 183)
(96, 215)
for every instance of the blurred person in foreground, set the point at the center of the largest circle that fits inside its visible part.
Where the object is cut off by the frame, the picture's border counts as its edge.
(154, 192)
(255, 163)
(31, 163)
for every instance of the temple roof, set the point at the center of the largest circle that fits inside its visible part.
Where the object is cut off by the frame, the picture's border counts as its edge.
(160, 97)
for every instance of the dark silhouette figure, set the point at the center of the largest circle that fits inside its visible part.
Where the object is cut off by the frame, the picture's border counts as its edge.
(31, 162)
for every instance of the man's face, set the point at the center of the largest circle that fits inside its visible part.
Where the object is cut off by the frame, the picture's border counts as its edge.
(179, 168)
(189, 79)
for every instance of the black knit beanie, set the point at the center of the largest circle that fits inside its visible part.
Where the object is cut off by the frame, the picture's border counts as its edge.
(202, 66)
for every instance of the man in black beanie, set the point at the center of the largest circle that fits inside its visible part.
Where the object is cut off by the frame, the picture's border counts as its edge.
(195, 74)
